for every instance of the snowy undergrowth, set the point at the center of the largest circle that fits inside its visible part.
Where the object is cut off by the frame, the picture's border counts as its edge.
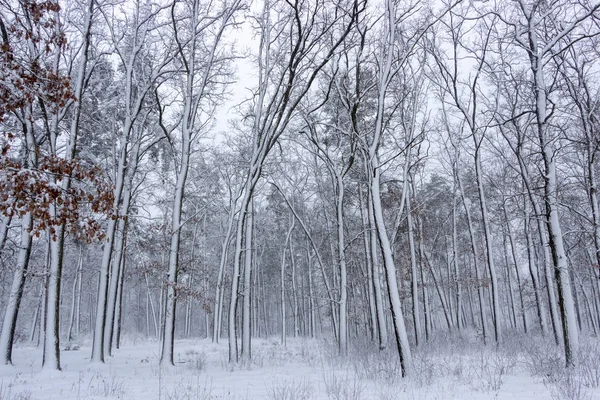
(445, 368)
(7, 393)
(294, 389)
(545, 362)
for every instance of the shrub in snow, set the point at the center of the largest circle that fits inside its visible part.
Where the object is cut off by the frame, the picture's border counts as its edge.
(424, 369)
(490, 369)
(347, 388)
(191, 391)
(290, 390)
(368, 362)
(567, 386)
(112, 386)
(543, 359)
(195, 360)
(588, 367)
(6, 393)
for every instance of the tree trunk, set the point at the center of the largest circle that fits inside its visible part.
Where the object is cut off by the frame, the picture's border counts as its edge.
(176, 222)
(390, 269)
(78, 302)
(559, 257)
(381, 321)
(116, 336)
(489, 247)
(343, 302)
(457, 277)
(517, 272)
(283, 313)
(512, 308)
(414, 287)
(100, 322)
(74, 295)
(4, 225)
(368, 264)
(246, 352)
(218, 311)
(480, 288)
(51, 356)
(16, 292)
(295, 308)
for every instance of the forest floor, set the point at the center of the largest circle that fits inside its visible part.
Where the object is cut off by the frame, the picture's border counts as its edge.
(309, 369)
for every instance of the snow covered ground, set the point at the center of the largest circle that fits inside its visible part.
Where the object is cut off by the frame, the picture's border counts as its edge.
(305, 369)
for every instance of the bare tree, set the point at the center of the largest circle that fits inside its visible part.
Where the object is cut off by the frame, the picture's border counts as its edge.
(296, 41)
(534, 29)
(207, 24)
(465, 93)
(130, 43)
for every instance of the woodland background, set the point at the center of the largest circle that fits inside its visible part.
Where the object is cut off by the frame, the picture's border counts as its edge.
(392, 171)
